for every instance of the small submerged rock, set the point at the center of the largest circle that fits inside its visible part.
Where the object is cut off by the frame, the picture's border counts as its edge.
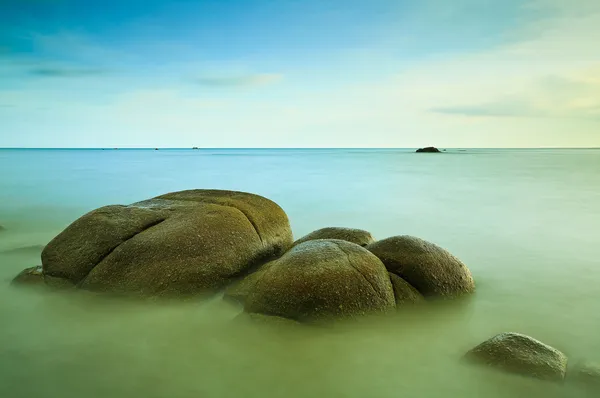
(30, 277)
(321, 280)
(429, 149)
(520, 354)
(585, 373)
(432, 270)
(357, 236)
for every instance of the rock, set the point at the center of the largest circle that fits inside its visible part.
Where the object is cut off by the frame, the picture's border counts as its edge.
(29, 277)
(520, 354)
(180, 244)
(357, 236)
(2, 228)
(404, 293)
(238, 291)
(432, 270)
(429, 149)
(320, 280)
(586, 373)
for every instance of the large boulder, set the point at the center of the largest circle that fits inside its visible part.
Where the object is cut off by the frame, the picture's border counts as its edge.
(321, 280)
(179, 244)
(520, 354)
(432, 270)
(357, 236)
(404, 293)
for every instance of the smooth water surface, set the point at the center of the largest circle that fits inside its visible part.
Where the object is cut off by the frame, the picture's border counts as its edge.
(526, 222)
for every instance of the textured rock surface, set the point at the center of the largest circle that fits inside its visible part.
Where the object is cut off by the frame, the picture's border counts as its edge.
(239, 290)
(357, 236)
(178, 244)
(432, 270)
(404, 293)
(321, 280)
(521, 354)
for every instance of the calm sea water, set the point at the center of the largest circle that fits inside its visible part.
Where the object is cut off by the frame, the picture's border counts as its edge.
(526, 222)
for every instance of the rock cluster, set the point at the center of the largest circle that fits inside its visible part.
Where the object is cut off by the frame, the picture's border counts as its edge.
(199, 242)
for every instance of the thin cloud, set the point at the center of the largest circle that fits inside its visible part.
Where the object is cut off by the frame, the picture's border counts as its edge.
(240, 81)
(65, 72)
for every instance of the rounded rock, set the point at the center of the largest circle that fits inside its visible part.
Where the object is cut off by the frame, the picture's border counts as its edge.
(320, 280)
(520, 354)
(404, 293)
(432, 270)
(180, 244)
(357, 236)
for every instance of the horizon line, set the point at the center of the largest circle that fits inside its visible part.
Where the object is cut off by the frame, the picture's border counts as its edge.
(281, 148)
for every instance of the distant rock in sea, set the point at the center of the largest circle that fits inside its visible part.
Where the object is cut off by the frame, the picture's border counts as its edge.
(429, 149)
(195, 147)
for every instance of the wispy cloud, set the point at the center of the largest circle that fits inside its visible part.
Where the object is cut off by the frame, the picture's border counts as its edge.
(63, 72)
(240, 81)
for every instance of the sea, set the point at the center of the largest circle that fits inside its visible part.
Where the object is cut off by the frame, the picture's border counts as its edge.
(525, 221)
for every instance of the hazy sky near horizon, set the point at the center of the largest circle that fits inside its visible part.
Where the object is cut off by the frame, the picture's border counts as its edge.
(291, 73)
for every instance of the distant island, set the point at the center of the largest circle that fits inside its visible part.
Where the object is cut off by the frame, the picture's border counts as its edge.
(429, 149)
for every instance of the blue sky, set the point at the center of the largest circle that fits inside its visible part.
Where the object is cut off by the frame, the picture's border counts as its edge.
(290, 73)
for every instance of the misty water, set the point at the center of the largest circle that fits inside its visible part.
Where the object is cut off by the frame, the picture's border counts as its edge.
(526, 222)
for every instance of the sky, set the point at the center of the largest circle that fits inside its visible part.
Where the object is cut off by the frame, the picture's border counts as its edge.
(292, 73)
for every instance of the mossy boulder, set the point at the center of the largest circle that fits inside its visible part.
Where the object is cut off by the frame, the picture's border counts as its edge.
(432, 270)
(357, 236)
(180, 244)
(320, 280)
(404, 293)
(520, 354)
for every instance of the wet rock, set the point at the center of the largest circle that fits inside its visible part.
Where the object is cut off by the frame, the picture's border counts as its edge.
(357, 236)
(520, 354)
(432, 270)
(404, 293)
(180, 244)
(320, 280)
(238, 291)
(429, 149)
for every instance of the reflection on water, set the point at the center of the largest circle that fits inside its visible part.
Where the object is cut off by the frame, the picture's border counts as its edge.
(524, 222)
